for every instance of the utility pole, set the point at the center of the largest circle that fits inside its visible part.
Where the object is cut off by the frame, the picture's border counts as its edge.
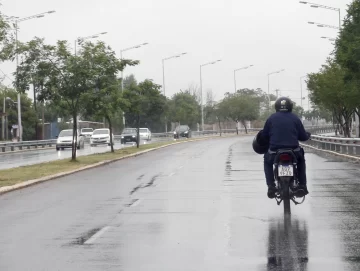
(277, 93)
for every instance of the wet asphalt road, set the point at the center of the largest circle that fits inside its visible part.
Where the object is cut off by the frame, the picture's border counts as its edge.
(17, 159)
(194, 206)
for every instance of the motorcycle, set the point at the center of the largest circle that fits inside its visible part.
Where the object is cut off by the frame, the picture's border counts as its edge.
(286, 178)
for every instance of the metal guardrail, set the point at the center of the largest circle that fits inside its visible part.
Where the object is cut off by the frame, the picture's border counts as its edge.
(11, 146)
(38, 144)
(350, 146)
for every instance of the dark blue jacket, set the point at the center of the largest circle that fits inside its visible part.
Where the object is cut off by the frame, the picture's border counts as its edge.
(284, 130)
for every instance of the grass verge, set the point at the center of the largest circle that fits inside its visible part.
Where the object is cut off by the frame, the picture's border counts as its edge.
(13, 176)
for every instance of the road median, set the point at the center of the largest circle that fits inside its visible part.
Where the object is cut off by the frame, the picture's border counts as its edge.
(21, 177)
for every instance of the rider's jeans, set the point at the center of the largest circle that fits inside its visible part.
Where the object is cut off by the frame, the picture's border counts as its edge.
(269, 172)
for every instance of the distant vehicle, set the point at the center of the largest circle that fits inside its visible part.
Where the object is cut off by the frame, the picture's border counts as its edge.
(87, 132)
(101, 136)
(182, 131)
(65, 139)
(129, 135)
(145, 133)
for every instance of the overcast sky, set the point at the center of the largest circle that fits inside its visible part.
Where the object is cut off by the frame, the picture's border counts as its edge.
(271, 35)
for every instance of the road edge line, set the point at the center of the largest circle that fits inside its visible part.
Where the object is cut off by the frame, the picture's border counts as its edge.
(6, 189)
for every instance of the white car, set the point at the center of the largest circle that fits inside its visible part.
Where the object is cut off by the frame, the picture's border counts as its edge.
(87, 132)
(101, 136)
(65, 139)
(145, 133)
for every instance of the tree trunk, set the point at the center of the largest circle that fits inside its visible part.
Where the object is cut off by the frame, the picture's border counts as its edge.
(138, 131)
(36, 113)
(111, 138)
(358, 114)
(74, 143)
(219, 125)
(244, 124)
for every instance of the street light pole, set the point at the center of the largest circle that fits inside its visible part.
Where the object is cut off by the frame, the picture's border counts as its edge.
(269, 83)
(313, 5)
(163, 67)
(80, 40)
(324, 25)
(243, 68)
(17, 21)
(122, 71)
(121, 57)
(301, 89)
(202, 104)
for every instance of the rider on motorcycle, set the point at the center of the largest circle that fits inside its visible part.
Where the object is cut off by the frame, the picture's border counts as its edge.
(282, 130)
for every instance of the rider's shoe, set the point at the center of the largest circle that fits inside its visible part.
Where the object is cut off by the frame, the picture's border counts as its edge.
(271, 191)
(301, 191)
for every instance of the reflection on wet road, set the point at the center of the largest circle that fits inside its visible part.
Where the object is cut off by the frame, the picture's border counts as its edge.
(196, 206)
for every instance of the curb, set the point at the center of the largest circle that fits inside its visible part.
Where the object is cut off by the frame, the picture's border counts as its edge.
(6, 189)
(332, 152)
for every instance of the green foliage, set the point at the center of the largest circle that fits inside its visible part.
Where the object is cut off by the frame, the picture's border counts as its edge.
(185, 109)
(65, 79)
(28, 113)
(329, 90)
(144, 105)
(242, 107)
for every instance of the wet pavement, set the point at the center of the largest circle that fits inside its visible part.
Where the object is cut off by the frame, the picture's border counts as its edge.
(17, 159)
(195, 206)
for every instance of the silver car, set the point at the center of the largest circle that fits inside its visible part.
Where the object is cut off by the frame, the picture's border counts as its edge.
(145, 134)
(65, 139)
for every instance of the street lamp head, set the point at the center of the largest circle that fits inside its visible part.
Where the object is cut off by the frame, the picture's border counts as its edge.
(311, 23)
(218, 60)
(103, 33)
(184, 53)
(94, 37)
(320, 25)
(51, 11)
(314, 6)
(145, 43)
(303, 2)
(40, 16)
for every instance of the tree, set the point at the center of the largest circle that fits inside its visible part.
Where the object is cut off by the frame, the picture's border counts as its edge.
(185, 109)
(28, 113)
(143, 102)
(347, 52)
(67, 78)
(328, 89)
(129, 80)
(298, 110)
(7, 41)
(240, 107)
(32, 71)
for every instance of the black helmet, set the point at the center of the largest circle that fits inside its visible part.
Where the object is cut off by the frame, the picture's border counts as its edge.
(283, 104)
(260, 144)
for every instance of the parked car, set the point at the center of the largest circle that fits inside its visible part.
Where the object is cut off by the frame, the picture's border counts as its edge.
(129, 135)
(101, 136)
(65, 139)
(145, 134)
(182, 131)
(87, 132)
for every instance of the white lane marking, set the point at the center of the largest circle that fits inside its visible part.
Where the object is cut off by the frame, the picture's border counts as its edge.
(171, 174)
(97, 235)
(136, 203)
